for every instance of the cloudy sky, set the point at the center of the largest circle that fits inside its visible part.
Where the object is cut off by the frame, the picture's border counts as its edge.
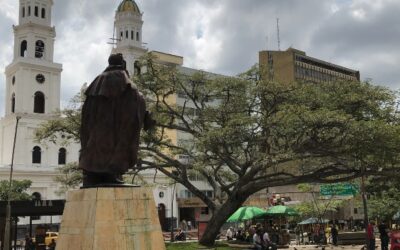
(223, 36)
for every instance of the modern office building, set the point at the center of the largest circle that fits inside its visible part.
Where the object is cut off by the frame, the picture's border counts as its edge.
(294, 65)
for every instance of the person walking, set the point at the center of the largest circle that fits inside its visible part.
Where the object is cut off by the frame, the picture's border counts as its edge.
(334, 234)
(371, 236)
(383, 235)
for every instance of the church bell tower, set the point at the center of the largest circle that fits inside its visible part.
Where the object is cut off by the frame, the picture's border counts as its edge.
(32, 81)
(128, 34)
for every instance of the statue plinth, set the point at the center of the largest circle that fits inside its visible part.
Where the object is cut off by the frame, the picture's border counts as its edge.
(113, 218)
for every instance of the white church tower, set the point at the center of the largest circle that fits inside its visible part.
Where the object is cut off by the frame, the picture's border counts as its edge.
(128, 34)
(33, 94)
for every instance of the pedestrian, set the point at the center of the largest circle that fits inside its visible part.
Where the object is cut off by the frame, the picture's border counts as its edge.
(229, 234)
(371, 235)
(189, 225)
(52, 245)
(384, 236)
(334, 233)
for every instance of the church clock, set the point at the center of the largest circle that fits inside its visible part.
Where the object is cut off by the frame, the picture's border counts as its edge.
(40, 78)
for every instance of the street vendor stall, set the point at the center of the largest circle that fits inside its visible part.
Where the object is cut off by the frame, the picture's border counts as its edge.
(278, 216)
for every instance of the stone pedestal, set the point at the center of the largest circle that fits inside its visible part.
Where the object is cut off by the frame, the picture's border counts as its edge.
(121, 218)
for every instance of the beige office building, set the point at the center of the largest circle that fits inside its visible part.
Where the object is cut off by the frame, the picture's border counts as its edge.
(294, 65)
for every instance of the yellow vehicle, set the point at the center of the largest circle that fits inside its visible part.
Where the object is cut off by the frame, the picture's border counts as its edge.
(48, 238)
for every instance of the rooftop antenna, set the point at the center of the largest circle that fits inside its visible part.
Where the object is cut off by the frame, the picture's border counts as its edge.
(279, 38)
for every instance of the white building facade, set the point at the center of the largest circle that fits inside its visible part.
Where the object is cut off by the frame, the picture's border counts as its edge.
(33, 95)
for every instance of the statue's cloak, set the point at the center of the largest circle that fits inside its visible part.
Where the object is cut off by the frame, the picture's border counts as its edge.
(112, 117)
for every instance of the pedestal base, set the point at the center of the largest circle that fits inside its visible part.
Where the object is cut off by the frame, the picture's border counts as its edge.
(110, 219)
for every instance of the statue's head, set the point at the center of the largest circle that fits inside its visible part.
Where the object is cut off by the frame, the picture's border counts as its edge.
(116, 60)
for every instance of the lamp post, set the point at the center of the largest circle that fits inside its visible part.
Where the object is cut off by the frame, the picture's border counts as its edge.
(365, 207)
(172, 212)
(8, 208)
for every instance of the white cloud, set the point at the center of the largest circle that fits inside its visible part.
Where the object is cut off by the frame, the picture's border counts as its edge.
(223, 36)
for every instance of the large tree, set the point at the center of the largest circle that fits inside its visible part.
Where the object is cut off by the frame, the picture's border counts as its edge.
(244, 134)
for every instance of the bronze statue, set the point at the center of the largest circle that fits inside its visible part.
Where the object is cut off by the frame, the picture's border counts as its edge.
(113, 114)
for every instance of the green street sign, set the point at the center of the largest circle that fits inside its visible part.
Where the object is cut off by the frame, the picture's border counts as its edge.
(339, 189)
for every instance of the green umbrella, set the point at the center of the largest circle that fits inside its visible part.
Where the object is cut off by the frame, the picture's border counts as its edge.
(313, 220)
(246, 213)
(281, 210)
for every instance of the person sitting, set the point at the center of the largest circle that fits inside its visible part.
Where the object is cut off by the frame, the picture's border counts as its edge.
(180, 236)
(257, 240)
(229, 234)
(267, 243)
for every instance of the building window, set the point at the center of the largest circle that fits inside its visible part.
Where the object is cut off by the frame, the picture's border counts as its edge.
(204, 210)
(161, 194)
(13, 103)
(43, 13)
(24, 47)
(127, 34)
(36, 155)
(62, 156)
(122, 34)
(36, 196)
(137, 36)
(132, 35)
(29, 10)
(39, 103)
(13, 80)
(39, 49)
(36, 11)
(355, 210)
(23, 11)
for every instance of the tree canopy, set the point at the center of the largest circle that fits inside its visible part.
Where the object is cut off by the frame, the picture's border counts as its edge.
(243, 134)
(17, 192)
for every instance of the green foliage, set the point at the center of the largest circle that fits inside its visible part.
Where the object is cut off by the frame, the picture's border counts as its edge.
(318, 206)
(17, 192)
(384, 198)
(69, 177)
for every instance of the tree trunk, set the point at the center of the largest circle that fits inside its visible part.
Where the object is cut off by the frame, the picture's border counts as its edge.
(218, 219)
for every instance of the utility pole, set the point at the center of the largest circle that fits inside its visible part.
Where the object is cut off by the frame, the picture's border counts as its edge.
(365, 207)
(7, 233)
(172, 212)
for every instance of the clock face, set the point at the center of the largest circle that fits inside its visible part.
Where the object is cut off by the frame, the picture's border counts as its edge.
(40, 78)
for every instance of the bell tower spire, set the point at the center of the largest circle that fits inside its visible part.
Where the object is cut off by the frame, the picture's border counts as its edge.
(128, 33)
(33, 79)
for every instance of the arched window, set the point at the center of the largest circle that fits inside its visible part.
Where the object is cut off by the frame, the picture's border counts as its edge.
(36, 155)
(43, 13)
(23, 11)
(36, 11)
(13, 103)
(136, 68)
(122, 34)
(127, 34)
(132, 35)
(24, 47)
(29, 10)
(38, 106)
(39, 49)
(137, 36)
(62, 156)
(36, 196)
